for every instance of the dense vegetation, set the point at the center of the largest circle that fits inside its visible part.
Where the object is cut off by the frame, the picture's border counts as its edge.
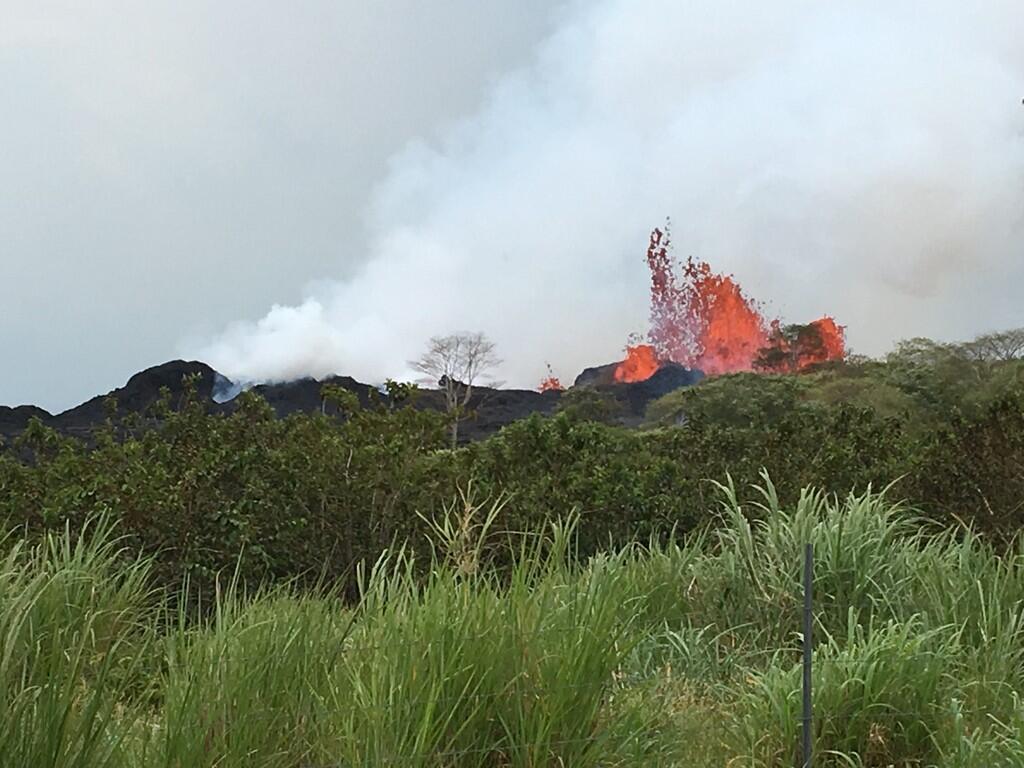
(314, 495)
(350, 591)
(676, 654)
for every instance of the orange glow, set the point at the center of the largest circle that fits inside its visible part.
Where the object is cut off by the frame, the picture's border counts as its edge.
(702, 319)
(728, 326)
(640, 364)
(551, 384)
(798, 348)
(832, 347)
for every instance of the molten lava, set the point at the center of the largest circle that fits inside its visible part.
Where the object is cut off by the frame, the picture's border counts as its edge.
(727, 325)
(551, 382)
(829, 344)
(640, 364)
(833, 343)
(703, 320)
(797, 348)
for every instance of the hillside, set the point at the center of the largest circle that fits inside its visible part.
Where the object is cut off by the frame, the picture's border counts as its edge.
(490, 409)
(493, 408)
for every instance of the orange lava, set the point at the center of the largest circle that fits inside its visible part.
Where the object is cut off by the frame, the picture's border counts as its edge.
(728, 327)
(833, 343)
(702, 319)
(640, 364)
(798, 348)
(551, 384)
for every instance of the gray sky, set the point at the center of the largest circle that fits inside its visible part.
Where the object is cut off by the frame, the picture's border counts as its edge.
(313, 188)
(169, 167)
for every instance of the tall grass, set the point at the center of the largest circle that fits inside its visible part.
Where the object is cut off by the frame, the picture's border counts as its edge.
(675, 654)
(921, 632)
(74, 632)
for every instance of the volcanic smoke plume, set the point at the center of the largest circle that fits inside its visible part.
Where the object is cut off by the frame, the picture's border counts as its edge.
(860, 159)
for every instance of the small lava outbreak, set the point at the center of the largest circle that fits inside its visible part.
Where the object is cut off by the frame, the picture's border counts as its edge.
(640, 364)
(703, 320)
(551, 382)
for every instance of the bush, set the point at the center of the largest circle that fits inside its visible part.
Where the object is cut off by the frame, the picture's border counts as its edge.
(310, 495)
(972, 470)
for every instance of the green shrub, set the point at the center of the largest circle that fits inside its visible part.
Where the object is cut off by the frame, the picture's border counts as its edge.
(310, 496)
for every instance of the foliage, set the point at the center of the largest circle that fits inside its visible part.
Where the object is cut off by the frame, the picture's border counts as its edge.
(345, 588)
(923, 383)
(676, 653)
(973, 469)
(997, 347)
(735, 400)
(75, 629)
(591, 404)
(297, 495)
(318, 495)
(789, 346)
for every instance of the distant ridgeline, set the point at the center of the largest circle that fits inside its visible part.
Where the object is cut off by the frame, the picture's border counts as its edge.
(493, 408)
(489, 409)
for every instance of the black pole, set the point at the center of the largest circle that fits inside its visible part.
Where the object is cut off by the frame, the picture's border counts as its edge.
(808, 626)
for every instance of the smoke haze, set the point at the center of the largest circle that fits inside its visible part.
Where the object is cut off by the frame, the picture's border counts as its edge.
(169, 166)
(863, 160)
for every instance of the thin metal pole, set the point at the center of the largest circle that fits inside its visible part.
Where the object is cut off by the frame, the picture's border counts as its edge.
(808, 626)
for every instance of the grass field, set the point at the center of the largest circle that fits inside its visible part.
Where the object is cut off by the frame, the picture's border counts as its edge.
(668, 655)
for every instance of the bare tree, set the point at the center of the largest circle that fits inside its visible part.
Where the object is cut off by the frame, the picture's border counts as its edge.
(457, 363)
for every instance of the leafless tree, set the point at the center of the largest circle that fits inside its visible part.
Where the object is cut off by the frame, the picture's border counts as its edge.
(457, 363)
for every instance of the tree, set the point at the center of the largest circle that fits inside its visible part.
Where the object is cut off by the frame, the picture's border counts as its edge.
(738, 400)
(589, 404)
(456, 364)
(791, 348)
(920, 352)
(997, 347)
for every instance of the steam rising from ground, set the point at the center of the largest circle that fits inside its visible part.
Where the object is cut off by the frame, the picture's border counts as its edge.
(863, 161)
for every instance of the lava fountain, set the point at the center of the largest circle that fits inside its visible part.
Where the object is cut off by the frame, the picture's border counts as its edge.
(703, 320)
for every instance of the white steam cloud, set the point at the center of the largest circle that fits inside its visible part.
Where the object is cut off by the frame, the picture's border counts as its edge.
(861, 159)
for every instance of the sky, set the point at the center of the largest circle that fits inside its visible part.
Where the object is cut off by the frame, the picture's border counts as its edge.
(317, 187)
(169, 167)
